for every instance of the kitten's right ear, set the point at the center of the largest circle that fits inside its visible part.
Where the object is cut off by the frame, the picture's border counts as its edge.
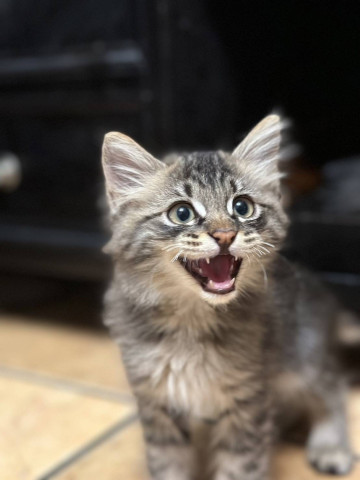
(259, 152)
(126, 167)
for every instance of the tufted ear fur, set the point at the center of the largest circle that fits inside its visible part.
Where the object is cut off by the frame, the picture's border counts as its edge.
(126, 166)
(259, 152)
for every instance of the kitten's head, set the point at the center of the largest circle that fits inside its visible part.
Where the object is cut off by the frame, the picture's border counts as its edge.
(204, 223)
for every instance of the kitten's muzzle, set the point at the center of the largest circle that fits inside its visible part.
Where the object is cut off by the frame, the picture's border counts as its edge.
(216, 274)
(224, 238)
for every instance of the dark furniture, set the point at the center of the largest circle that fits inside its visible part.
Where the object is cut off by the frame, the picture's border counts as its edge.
(172, 75)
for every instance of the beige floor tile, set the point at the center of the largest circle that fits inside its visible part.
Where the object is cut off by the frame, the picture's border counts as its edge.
(81, 355)
(41, 426)
(123, 458)
(354, 419)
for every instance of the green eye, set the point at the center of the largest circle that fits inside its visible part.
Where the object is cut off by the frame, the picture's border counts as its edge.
(181, 213)
(243, 207)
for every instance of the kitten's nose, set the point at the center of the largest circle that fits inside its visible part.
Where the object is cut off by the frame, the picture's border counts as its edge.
(224, 237)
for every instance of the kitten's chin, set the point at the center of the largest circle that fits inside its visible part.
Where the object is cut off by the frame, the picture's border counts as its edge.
(216, 299)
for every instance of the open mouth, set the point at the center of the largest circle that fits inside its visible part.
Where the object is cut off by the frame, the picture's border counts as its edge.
(216, 274)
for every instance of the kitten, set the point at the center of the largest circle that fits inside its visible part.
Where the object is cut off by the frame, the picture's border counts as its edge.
(214, 325)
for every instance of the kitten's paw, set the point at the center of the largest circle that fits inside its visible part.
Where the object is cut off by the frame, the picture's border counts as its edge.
(331, 460)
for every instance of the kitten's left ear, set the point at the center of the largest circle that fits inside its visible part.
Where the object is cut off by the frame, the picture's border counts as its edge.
(259, 152)
(127, 167)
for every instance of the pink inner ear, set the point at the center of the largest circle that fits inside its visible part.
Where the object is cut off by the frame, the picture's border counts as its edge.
(262, 143)
(127, 166)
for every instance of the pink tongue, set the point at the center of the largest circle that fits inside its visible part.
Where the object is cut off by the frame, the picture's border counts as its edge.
(218, 270)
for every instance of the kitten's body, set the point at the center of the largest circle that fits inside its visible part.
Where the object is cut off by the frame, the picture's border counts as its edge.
(231, 359)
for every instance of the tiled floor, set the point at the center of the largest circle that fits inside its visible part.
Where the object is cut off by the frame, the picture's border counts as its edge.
(66, 411)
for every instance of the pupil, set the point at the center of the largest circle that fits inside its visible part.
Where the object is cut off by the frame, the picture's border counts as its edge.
(183, 213)
(241, 207)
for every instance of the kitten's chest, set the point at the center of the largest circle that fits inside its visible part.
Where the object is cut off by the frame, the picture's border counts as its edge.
(189, 376)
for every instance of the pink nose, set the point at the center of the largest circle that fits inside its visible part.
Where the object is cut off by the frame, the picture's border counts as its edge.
(224, 237)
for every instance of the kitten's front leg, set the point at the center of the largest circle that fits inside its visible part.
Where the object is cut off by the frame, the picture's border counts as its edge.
(168, 445)
(242, 441)
(328, 447)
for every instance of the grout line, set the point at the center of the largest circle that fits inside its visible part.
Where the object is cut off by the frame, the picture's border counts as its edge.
(88, 448)
(62, 384)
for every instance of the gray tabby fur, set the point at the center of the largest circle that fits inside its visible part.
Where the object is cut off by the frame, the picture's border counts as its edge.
(239, 364)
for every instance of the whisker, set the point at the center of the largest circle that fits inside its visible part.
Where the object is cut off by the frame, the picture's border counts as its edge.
(263, 248)
(176, 256)
(269, 244)
(264, 274)
(171, 247)
(266, 283)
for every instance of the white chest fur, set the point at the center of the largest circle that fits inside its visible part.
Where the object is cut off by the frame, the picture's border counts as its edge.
(182, 370)
(188, 376)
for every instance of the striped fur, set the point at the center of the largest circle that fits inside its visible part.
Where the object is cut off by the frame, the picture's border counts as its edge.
(222, 362)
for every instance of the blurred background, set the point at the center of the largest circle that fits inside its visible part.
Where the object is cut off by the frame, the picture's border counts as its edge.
(173, 75)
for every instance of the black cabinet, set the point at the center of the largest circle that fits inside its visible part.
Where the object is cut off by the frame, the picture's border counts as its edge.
(173, 75)
(69, 73)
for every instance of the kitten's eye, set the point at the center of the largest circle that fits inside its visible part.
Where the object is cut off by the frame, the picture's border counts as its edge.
(181, 213)
(243, 207)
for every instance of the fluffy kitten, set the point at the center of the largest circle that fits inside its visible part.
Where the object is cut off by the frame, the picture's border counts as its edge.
(213, 324)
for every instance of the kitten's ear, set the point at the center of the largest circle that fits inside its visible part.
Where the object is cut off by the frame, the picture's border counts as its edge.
(126, 167)
(259, 152)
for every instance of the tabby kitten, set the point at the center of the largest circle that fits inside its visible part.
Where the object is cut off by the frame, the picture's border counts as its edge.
(215, 327)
